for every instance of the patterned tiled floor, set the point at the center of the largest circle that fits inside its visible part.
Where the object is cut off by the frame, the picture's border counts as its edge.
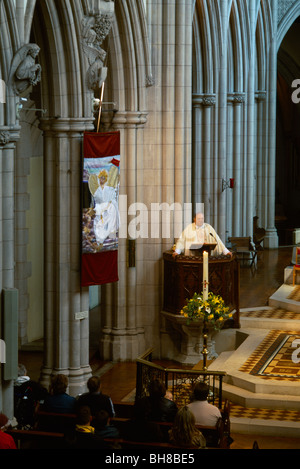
(277, 313)
(272, 360)
(295, 295)
(264, 414)
(275, 357)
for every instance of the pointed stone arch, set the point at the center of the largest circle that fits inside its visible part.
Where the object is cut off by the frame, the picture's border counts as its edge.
(129, 59)
(287, 20)
(64, 84)
(287, 149)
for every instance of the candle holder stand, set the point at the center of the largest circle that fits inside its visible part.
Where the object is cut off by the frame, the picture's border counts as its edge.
(204, 350)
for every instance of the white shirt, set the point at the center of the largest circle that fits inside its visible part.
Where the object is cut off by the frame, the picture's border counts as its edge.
(199, 235)
(205, 414)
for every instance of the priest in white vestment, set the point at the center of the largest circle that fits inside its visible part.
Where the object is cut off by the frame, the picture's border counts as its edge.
(199, 233)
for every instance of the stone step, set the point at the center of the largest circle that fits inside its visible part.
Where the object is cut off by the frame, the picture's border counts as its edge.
(279, 428)
(249, 399)
(261, 406)
(270, 323)
(270, 317)
(280, 299)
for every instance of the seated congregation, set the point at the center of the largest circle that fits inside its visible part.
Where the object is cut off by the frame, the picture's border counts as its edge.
(93, 421)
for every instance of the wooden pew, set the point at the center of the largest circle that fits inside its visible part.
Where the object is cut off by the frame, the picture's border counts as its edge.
(122, 443)
(124, 409)
(215, 436)
(34, 439)
(54, 422)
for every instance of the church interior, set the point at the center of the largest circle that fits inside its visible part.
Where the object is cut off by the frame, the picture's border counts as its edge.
(204, 98)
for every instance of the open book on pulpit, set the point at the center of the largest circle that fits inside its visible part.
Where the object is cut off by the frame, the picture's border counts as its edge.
(197, 249)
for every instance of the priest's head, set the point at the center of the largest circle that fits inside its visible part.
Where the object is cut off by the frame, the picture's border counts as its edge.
(199, 219)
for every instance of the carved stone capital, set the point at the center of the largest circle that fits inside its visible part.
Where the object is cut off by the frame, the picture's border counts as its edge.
(9, 136)
(236, 98)
(206, 100)
(260, 95)
(4, 137)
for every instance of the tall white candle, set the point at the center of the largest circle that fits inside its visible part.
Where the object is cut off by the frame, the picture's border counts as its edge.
(205, 275)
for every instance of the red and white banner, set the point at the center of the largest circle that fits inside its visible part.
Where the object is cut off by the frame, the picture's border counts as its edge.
(100, 211)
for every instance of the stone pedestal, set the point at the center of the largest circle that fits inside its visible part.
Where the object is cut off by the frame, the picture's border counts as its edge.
(191, 339)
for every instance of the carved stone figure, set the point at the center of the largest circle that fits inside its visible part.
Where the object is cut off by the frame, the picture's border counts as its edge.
(94, 31)
(24, 70)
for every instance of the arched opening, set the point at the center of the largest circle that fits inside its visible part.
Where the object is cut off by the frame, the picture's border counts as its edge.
(288, 140)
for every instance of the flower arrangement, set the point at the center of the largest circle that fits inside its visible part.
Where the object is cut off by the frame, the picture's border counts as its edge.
(212, 311)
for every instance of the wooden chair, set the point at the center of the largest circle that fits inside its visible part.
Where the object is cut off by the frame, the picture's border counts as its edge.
(296, 267)
(258, 234)
(244, 249)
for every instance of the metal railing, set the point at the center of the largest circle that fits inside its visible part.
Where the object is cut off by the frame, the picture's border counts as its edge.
(179, 381)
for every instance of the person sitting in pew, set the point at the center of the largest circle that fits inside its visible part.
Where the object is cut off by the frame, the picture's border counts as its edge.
(162, 408)
(139, 427)
(103, 427)
(205, 414)
(28, 395)
(95, 399)
(6, 441)
(84, 436)
(58, 400)
(184, 431)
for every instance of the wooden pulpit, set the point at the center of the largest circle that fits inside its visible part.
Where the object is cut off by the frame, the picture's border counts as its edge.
(183, 276)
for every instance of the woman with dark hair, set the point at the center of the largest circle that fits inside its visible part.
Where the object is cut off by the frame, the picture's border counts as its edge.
(162, 409)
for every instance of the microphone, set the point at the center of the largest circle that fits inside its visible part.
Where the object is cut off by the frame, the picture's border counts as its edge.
(210, 234)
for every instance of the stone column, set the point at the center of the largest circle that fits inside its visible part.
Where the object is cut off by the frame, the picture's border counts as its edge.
(8, 139)
(261, 168)
(121, 304)
(203, 177)
(197, 149)
(271, 238)
(22, 204)
(219, 209)
(250, 163)
(237, 100)
(66, 336)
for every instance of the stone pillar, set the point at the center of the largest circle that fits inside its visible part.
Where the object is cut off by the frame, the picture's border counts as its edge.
(22, 204)
(66, 337)
(203, 177)
(121, 305)
(261, 168)
(8, 138)
(271, 238)
(237, 100)
(219, 209)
